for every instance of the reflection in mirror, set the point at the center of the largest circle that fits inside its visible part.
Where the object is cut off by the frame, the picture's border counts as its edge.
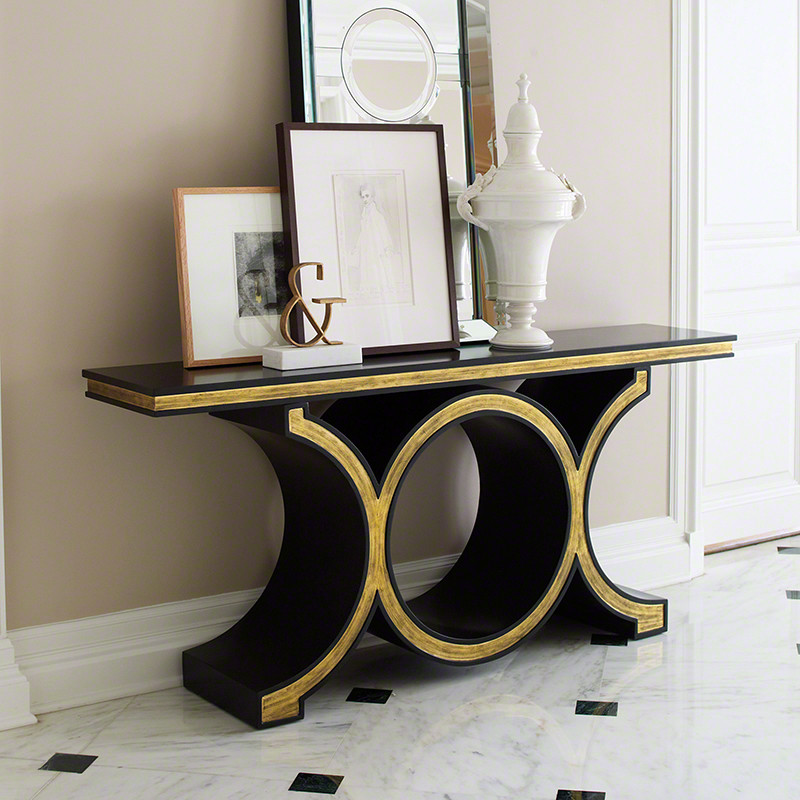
(411, 62)
(482, 95)
(380, 91)
(401, 88)
(484, 136)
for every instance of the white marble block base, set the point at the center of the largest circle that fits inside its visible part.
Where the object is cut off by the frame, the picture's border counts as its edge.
(286, 356)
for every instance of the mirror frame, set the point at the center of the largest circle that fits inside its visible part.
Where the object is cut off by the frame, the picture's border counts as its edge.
(303, 104)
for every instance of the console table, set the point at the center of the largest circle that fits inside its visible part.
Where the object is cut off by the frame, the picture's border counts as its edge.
(340, 464)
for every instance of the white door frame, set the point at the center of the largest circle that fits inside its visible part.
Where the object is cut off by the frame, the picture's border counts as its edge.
(687, 399)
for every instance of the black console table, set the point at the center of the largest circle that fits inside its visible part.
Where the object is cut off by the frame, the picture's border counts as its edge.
(340, 467)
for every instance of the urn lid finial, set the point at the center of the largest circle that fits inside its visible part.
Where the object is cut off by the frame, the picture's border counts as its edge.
(522, 118)
(524, 85)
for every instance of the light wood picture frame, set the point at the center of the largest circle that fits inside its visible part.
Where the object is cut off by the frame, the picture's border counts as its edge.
(231, 272)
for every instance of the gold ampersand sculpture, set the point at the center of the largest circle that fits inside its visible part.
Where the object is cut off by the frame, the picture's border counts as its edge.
(297, 298)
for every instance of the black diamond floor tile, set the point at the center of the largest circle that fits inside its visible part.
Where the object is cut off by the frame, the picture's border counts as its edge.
(789, 551)
(596, 708)
(68, 762)
(610, 639)
(361, 695)
(319, 784)
(573, 794)
(792, 594)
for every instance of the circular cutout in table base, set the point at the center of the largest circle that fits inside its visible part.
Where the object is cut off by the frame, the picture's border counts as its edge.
(518, 541)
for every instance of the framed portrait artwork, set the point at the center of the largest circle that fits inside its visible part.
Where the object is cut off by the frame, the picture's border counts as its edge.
(232, 273)
(370, 203)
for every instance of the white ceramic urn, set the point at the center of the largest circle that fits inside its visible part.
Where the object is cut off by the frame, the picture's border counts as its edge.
(521, 206)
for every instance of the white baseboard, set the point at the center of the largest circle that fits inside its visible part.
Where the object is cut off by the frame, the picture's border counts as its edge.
(644, 554)
(415, 577)
(15, 703)
(100, 658)
(751, 514)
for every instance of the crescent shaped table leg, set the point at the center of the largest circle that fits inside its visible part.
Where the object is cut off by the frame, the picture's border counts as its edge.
(317, 601)
(592, 597)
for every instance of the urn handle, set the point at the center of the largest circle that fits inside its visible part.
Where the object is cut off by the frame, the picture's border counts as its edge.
(579, 209)
(463, 203)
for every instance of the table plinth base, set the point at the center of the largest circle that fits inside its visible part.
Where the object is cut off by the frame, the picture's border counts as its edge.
(529, 553)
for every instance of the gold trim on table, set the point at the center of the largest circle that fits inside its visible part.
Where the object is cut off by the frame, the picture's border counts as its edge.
(204, 400)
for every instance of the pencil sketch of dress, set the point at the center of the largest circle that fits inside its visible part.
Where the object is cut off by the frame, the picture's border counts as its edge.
(373, 236)
(374, 252)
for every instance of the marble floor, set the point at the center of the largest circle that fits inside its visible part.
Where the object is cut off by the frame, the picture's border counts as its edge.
(709, 710)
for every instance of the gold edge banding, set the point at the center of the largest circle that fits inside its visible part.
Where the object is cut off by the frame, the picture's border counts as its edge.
(648, 616)
(274, 706)
(285, 703)
(288, 391)
(121, 395)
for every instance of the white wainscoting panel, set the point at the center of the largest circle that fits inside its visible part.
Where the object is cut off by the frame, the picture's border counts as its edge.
(645, 553)
(751, 118)
(751, 266)
(749, 415)
(131, 652)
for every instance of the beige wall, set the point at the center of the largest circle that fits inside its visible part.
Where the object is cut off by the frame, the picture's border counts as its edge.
(105, 107)
(601, 82)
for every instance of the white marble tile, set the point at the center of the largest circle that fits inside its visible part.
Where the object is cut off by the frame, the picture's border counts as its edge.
(747, 571)
(103, 783)
(348, 791)
(490, 745)
(69, 731)
(554, 671)
(706, 753)
(177, 731)
(711, 625)
(761, 688)
(752, 554)
(411, 677)
(753, 570)
(21, 779)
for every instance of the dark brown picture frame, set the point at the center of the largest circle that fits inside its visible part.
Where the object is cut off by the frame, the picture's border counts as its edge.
(289, 211)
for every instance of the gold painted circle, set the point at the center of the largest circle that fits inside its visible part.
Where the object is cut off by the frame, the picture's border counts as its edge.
(400, 616)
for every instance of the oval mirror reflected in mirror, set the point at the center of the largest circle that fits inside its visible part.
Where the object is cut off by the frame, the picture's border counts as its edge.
(389, 66)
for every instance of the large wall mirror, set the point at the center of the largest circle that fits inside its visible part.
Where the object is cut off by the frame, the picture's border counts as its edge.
(419, 61)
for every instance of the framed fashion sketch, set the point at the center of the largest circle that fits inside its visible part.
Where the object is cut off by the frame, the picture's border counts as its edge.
(370, 203)
(232, 272)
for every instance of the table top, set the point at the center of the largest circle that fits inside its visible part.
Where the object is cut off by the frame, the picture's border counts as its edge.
(168, 388)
